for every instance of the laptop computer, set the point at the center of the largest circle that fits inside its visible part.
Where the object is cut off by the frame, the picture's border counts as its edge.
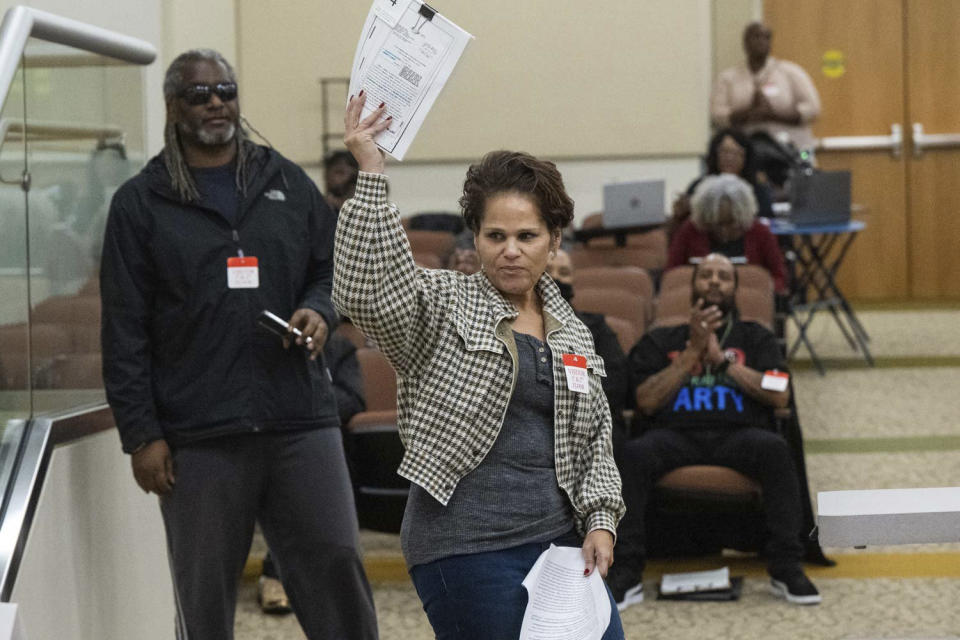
(633, 204)
(820, 197)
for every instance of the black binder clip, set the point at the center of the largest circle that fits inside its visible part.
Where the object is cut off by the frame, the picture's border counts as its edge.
(427, 12)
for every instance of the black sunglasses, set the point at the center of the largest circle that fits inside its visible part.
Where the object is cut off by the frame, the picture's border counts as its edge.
(198, 94)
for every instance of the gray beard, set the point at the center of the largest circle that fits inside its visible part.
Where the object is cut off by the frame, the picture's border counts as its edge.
(212, 139)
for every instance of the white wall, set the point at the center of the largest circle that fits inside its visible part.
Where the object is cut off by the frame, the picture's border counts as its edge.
(95, 564)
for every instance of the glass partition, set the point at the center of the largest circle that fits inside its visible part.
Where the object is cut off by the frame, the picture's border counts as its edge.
(71, 131)
(84, 118)
(14, 285)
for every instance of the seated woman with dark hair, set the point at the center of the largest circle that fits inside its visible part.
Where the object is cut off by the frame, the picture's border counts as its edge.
(724, 220)
(729, 151)
(507, 450)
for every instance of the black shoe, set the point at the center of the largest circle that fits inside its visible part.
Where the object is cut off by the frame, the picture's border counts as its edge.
(793, 585)
(626, 585)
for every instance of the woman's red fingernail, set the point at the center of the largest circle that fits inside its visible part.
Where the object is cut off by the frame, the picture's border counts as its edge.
(381, 105)
(361, 93)
(586, 572)
(389, 117)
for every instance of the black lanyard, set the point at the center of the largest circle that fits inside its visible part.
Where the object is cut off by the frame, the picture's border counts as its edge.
(723, 341)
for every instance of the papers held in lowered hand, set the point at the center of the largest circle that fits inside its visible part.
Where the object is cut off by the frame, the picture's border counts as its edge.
(564, 604)
(405, 55)
(695, 581)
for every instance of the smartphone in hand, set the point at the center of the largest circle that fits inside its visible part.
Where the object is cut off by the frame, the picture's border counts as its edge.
(275, 324)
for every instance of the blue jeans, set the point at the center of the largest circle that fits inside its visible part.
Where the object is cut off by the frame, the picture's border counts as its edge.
(481, 596)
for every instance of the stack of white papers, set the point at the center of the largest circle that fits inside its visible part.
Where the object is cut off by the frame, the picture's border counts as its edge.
(564, 604)
(695, 581)
(404, 58)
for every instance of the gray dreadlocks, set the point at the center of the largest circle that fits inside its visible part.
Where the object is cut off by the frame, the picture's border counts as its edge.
(180, 176)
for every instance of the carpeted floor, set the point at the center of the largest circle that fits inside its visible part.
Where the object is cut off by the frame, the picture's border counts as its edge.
(891, 426)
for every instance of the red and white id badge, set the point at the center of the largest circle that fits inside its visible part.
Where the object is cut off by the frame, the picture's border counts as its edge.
(775, 380)
(576, 368)
(243, 273)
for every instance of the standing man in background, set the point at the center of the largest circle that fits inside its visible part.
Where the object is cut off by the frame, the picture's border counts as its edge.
(225, 423)
(766, 94)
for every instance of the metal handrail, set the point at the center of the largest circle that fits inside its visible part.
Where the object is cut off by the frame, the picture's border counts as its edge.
(42, 130)
(21, 23)
(39, 437)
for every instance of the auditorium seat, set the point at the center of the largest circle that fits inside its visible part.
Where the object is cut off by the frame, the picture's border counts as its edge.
(68, 309)
(630, 256)
(379, 380)
(375, 448)
(439, 243)
(616, 303)
(633, 279)
(627, 334)
(436, 221)
(653, 244)
(350, 331)
(712, 486)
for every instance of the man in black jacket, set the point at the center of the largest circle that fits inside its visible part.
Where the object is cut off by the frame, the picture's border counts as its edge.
(218, 415)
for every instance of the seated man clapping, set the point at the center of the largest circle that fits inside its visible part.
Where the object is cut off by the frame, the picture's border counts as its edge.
(708, 398)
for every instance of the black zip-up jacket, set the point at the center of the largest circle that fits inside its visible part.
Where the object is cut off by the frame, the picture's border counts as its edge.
(183, 357)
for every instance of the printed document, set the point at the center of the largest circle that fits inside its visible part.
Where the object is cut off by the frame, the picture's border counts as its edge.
(404, 58)
(564, 604)
(695, 581)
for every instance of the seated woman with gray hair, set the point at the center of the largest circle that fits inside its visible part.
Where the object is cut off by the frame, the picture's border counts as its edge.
(724, 220)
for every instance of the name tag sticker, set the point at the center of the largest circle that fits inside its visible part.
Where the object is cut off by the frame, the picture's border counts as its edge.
(576, 368)
(243, 273)
(775, 380)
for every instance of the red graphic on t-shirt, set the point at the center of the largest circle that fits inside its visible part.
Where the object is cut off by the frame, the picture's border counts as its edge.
(698, 367)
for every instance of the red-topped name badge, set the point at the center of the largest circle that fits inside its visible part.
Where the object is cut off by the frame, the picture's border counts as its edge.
(243, 273)
(576, 368)
(775, 380)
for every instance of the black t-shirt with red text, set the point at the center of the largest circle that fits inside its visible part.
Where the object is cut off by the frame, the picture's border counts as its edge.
(708, 399)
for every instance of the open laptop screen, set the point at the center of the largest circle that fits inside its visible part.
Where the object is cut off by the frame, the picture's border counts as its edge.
(633, 204)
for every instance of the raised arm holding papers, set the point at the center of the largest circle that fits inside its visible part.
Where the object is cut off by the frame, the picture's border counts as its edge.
(405, 55)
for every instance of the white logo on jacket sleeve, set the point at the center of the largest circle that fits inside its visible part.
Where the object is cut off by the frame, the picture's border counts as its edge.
(275, 194)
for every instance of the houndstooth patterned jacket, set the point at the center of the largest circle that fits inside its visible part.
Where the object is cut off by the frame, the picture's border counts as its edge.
(449, 338)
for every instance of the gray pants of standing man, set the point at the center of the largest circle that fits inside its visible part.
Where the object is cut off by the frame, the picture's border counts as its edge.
(297, 486)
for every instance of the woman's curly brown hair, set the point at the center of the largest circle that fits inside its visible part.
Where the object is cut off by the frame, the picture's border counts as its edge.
(516, 172)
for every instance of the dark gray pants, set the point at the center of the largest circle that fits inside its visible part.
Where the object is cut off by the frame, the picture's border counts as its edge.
(296, 485)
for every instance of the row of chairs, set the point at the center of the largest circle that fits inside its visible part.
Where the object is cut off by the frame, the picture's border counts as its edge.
(643, 250)
(647, 250)
(625, 296)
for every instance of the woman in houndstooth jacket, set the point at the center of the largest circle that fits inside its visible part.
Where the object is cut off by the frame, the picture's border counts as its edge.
(501, 409)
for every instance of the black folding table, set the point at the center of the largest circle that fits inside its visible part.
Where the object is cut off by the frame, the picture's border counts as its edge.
(820, 250)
